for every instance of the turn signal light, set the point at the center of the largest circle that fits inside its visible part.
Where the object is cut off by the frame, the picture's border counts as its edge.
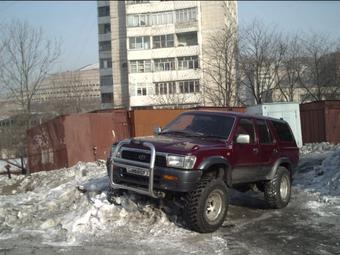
(170, 177)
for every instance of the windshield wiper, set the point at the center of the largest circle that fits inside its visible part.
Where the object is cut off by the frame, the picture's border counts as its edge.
(213, 136)
(175, 132)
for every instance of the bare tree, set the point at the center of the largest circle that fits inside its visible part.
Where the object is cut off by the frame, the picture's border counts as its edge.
(26, 59)
(321, 79)
(220, 67)
(261, 54)
(292, 69)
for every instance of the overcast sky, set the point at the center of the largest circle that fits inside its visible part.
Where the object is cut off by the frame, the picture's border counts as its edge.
(75, 23)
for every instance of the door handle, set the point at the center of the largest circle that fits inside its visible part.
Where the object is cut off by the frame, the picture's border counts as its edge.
(255, 150)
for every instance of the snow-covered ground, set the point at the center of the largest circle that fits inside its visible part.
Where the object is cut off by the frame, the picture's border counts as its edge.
(46, 209)
(319, 171)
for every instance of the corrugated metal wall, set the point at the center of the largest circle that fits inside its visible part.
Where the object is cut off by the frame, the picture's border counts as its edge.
(143, 122)
(332, 117)
(46, 146)
(320, 121)
(64, 141)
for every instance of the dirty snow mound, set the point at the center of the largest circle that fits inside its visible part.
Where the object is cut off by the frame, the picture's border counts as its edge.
(48, 208)
(49, 202)
(318, 148)
(324, 178)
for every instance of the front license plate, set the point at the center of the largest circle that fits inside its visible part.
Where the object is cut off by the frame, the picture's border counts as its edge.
(138, 171)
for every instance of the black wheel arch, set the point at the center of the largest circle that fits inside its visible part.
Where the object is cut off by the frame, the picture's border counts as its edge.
(284, 162)
(220, 164)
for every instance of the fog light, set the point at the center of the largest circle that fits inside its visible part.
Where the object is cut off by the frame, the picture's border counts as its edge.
(170, 177)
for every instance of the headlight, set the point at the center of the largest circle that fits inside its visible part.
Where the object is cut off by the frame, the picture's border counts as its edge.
(186, 162)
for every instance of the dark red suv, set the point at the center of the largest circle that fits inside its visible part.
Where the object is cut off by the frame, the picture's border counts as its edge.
(198, 156)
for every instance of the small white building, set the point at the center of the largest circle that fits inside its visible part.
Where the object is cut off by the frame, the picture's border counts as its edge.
(289, 112)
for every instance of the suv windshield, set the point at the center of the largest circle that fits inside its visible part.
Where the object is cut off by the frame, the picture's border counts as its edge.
(200, 124)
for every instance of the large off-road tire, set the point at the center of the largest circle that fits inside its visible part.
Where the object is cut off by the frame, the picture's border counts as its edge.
(277, 191)
(205, 208)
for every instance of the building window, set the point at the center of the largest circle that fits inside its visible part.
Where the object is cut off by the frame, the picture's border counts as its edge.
(187, 39)
(188, 62)
(140, 42)
(190, 86)
(105, 46)
(140, 66)
(106, 80)
(137, 1)
(103, 11)
(164, 88)
(137, 20)
(161, 18)
(107, 98)
(163, 41)
(164, 64)
(104, 28)
(141, 89)
(186, 15)
(105, 63)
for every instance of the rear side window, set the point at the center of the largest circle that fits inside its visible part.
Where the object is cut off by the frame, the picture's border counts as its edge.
(246, 127)
(283, 131)
(265, 136)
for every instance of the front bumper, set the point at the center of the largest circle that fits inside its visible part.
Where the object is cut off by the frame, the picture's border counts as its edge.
(153, 185)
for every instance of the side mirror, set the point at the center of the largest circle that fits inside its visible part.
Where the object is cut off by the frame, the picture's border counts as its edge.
(157, 130)
(243, 139)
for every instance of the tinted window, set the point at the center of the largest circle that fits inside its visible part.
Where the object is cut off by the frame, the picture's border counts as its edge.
(264, 133)
(283, 131)
(246, 127)
(202, 125)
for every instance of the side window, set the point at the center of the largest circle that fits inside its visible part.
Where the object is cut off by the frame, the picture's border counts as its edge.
(283, 131)
(246, 127)
(265, 136)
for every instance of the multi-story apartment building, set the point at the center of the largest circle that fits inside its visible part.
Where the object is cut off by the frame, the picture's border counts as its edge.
(152, 53)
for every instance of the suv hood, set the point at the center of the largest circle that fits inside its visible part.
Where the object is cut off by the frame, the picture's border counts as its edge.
(180, 144)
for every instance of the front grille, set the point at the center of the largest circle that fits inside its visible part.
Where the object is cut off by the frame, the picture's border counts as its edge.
(143, 157)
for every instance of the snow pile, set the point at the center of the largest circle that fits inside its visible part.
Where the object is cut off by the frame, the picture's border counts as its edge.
(47, 207)
(321, 173)
(50, 202)
(318, 148)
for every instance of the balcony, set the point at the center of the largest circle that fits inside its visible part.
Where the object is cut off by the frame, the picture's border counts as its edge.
(105, 71)
(186, 27)
(103, 20)
(159, 6)
(106, 89)
(179, 99)
(104, 37)
(164, 52)
(103, 3)
(105, 54)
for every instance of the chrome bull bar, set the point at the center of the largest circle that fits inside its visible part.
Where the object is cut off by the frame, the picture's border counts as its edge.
(125, 163)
